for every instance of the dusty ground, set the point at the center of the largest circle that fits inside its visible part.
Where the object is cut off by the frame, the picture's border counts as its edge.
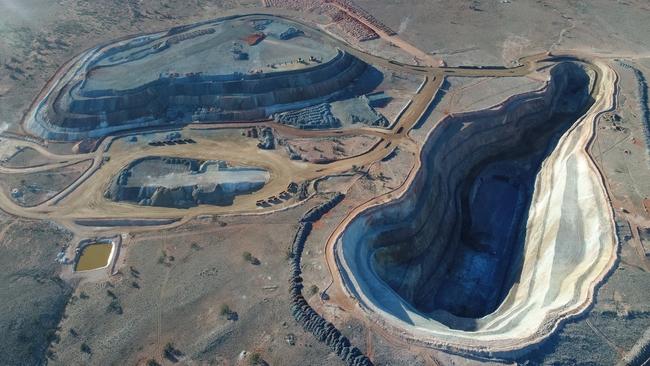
(36, 187)
(171, 289)
(25, 157)
(326, 149)
(480, 32)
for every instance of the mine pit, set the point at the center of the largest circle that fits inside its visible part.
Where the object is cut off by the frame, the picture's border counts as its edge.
(470, 271)
(449, 256)
(220, 71)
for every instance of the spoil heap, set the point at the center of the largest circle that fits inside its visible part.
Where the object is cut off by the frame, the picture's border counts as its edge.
(252, 71)
(304, 314)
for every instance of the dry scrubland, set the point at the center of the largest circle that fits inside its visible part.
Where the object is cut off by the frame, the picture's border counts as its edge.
(33, 295)
(481, 32)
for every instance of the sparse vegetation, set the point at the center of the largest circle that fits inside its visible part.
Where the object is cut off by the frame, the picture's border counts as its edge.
(226, 311)
(313, 290)
(248, 257)
(85, 348)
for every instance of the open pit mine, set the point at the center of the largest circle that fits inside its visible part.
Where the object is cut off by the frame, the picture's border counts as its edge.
(504, 231)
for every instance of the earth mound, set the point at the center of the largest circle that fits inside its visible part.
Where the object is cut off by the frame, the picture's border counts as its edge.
(233, 69)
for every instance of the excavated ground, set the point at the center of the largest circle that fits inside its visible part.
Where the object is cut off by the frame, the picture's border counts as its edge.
(230, 69)
(183, 182)
(453, 257)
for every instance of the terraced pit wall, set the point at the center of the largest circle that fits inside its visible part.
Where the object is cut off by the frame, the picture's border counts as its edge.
(75, 113)
(396, 257)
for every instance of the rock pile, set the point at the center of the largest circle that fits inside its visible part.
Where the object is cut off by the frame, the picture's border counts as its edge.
(267, 140)
(310, 320)
(318, 116)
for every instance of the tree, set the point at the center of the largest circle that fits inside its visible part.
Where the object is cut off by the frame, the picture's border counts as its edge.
(247, 256)
(313, 290)
(255, 359)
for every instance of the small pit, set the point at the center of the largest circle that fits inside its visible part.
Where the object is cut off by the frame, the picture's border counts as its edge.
(183, 182)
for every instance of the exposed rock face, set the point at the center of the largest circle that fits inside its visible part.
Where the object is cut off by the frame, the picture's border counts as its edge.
(181, 183)
(454, 254)
(449, 259)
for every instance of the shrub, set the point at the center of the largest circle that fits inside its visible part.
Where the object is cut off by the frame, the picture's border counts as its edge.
(255, 359)
(114, 307)
(171, 353)
(247, 256)
(313, 290)
(224, 310)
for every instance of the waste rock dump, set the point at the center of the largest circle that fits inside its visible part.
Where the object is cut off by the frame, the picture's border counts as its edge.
(232, 69)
